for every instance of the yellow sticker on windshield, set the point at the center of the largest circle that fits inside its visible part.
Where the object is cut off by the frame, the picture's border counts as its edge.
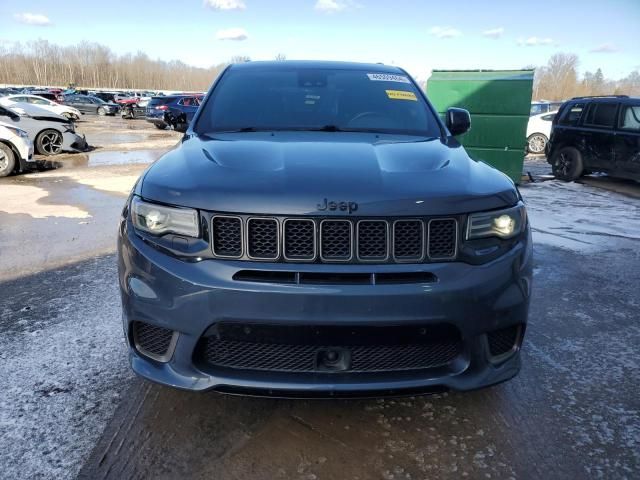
(401, 95)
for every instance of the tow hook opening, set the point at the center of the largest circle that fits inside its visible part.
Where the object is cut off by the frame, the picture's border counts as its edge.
(333, 360)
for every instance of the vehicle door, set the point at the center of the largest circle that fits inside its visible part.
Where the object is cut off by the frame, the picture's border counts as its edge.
(189, 106)
(39, 102)
(85, 104)
(72, 101)
(597, 135)
(627, 140)
(565, 130)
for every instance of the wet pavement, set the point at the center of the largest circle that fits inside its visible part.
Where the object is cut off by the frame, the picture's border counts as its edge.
(69, 405)
(68, 212)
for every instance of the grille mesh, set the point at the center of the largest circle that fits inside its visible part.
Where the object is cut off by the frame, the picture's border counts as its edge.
(263, 238)
(404, 240)
(227, 236)
(442, 238)
(501, 341)
(299, 239)
(335, 240)
(151, 339)
(408, 240)
(303, 358)
(372, 240)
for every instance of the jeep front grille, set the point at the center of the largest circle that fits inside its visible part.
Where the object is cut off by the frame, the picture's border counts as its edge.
(334, 240)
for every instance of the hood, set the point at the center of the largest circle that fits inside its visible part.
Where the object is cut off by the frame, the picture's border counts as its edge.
(38, 113)
(292, 173)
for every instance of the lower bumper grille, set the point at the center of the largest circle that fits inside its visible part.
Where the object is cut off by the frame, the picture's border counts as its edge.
(153, 341)
(504, 340)
(308, 349)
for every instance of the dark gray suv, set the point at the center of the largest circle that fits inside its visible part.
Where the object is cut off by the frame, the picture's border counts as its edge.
(320, 232)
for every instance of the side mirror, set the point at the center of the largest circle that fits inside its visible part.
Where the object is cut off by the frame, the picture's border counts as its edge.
(458, 121)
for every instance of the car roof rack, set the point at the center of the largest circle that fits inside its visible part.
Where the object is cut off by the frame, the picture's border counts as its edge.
(600, 96)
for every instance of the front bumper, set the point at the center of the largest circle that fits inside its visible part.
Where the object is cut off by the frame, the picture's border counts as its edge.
(156, 120)
(72, 142)
(189, 298)
(25, 151)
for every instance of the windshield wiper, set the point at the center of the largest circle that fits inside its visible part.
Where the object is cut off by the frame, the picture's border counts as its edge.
(239, 130)
(325, 128)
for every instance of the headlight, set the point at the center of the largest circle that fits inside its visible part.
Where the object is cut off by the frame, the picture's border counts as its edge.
(17, 131)
(500, 223)
(158, 219)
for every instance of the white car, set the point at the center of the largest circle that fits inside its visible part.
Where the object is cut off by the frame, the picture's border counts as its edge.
(16, 150)
(14, 101)
(539, 131)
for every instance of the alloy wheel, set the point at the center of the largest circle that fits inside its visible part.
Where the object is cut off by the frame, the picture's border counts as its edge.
(51, 143)
(537, 143)
(563, 164)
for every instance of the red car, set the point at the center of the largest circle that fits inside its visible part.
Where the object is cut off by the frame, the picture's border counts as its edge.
(125, 99)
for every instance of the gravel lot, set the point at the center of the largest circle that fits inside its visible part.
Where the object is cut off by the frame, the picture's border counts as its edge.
(69, 406)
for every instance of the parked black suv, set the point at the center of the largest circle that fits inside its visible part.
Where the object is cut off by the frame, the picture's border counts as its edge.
(596, 134)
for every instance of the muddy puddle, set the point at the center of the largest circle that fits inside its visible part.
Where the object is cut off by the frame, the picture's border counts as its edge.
(107, 138)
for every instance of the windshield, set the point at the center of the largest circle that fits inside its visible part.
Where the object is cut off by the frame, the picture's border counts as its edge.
(281, 98)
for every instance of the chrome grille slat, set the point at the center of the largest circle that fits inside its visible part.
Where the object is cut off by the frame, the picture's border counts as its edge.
(334, 240)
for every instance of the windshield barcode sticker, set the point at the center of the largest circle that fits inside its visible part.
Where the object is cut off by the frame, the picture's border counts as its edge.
(387, 77)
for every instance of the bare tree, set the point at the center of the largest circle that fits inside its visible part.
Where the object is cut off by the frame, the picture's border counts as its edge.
(559, 79)
(90, 65)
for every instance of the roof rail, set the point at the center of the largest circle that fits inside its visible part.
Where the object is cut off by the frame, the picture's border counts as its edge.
(600, 96)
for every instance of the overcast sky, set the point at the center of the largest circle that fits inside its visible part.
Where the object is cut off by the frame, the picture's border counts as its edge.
(417, 35)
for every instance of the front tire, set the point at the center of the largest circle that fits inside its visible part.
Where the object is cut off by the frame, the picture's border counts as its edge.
(160, 126)
(567, 164)
(49, 142)
(101, 111)
(536, 143)
(7, 160)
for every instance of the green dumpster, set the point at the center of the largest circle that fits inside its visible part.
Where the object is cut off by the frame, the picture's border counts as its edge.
(499, 102)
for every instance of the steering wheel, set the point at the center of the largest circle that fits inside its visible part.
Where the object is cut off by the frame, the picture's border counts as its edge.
(364, 115)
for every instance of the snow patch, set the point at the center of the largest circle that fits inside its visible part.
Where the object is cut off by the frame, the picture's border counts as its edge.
(580, 217)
